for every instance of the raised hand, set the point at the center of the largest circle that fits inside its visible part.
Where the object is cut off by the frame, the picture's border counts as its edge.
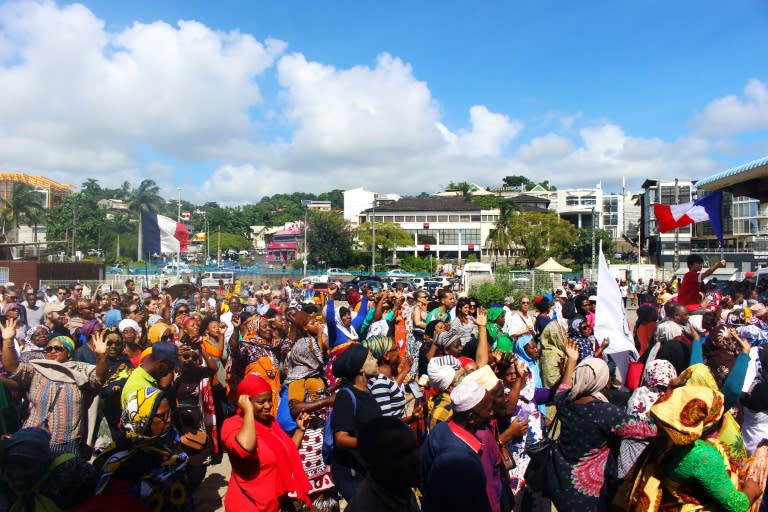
(99, 343)
(9, 329)
(302, 420)
(571, 349)
(482, 317)
(744, 344)
(244, 403)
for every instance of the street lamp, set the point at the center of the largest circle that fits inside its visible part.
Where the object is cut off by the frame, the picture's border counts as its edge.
(305, 204)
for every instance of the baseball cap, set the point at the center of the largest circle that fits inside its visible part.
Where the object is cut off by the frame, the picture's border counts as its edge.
(54, 307)
(165, 351)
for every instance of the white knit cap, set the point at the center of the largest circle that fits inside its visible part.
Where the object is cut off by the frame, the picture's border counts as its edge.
(466, 395)
(441, 371)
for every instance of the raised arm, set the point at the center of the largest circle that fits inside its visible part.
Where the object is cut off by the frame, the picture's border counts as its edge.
(482, 356)
(246, 437)
(10, 358)
(711, 269)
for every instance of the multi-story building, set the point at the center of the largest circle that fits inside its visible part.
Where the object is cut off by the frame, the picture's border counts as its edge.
(589, 207)
(448, 227)
(661, 246)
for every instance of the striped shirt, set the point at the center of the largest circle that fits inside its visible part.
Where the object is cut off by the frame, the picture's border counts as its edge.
(388, 395)
(55, 405)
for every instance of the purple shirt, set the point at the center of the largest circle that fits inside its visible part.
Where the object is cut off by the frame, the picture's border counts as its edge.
(490, 458)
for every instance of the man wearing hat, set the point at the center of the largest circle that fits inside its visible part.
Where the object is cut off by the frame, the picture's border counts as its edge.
(452, 471)
(155, 370)
(55, 319)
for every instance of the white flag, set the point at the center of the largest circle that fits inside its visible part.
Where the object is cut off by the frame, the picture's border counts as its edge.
(610, 317)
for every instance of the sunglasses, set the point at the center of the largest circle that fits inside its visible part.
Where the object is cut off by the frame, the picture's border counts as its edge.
(111, 343)
(525, 302)
(53, 348)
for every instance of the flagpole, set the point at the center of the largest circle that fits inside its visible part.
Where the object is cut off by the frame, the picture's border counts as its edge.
(677, 233)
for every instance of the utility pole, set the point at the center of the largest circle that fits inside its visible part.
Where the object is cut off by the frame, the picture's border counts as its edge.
(373, 237)
(74, 229)
(178, 220)
(594, 235)
(305, 203)
(676, 264)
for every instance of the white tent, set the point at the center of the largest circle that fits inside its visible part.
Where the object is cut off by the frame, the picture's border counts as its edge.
(552, 266)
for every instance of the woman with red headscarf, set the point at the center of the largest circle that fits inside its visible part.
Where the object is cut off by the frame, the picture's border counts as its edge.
(265, 462)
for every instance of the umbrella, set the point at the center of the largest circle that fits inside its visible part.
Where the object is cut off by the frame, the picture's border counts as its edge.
(176, 290)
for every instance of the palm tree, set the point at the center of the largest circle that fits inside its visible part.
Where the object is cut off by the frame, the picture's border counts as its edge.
(24, 202)
(118, 224)
(144, 197)
(500, 238)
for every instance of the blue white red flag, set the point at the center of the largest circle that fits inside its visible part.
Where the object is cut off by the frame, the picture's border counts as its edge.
(162, 234)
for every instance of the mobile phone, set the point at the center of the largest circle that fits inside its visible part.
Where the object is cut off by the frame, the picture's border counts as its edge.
(413, 386)
(523, 416)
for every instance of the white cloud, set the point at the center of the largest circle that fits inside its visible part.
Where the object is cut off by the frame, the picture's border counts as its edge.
(732, 114)
(80, 99)
(547, 147)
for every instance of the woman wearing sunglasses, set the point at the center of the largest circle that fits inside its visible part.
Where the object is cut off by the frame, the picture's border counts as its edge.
(58, 387)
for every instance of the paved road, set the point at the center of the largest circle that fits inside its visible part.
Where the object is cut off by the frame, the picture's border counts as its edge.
(210, 496)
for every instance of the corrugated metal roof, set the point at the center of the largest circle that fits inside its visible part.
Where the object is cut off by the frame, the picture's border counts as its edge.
(734, 175)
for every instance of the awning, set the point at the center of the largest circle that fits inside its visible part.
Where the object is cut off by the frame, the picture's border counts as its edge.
(750, 179)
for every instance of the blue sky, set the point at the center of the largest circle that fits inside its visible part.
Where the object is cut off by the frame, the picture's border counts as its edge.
(573, 92)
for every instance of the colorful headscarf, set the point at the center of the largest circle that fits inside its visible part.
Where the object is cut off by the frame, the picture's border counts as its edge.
(32, 330)
(156, 332)
(720, 352)
(140, 407)
(590, 378)
(66, 341)
(533, 364)
(754, 334)
(686, 412)
(380, 345)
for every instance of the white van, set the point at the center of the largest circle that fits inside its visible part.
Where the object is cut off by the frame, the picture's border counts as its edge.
(474, 274)
(211, 279)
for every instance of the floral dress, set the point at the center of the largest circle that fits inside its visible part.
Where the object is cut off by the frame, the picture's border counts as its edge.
(517, 446)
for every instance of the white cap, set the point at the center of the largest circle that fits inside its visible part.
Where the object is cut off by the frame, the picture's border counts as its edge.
(485, 377)
(466, 395)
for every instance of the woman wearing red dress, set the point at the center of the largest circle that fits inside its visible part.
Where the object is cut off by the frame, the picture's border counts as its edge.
(265, 462)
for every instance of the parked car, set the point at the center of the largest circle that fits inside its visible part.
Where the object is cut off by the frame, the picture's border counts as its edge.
(337, 272)
(95, 252)
(376, 286)
(117, 268)
(418, 282)
(173, 268)
(400, 273)
(431, 286)
(408, 286)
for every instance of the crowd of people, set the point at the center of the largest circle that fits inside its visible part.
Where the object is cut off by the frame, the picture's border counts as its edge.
(388, 401)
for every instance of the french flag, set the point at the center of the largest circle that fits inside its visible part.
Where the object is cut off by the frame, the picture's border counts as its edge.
(673, 216)
(162, 234)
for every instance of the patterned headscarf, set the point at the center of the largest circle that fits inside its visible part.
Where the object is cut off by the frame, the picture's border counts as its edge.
(720, 352)
(140, 407)
(686, 412)
(656, 378)
(156, 331)
(446, 338)
(380, 345)
(32, 330)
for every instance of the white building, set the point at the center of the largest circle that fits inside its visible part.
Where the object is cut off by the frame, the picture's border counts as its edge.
(448, 227)
(358, 199)
(590, 207)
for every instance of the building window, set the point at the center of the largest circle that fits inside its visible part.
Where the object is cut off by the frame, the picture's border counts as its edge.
(432, 218)
(464, 218)
(571, 201)
(410, 218)
(453, 218)
(399, 218)
(442, 218)
(475, 218)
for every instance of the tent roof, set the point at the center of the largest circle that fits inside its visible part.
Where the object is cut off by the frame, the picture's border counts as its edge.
(552, 266)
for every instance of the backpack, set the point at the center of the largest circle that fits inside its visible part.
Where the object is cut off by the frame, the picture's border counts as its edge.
(328, 438)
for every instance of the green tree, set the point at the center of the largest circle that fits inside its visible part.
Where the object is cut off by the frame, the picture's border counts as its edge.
(24, 205)
(78, 216)
(389, 236)
(144, 197)
(517, 181)
(540, 235)
(582, 248)
(329, 238)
